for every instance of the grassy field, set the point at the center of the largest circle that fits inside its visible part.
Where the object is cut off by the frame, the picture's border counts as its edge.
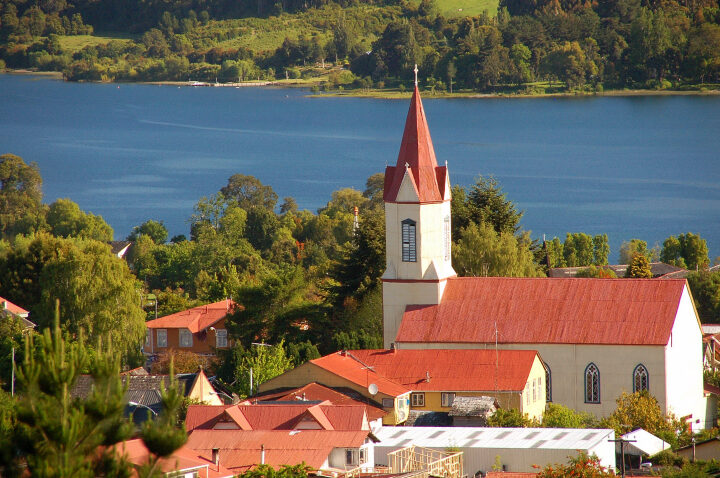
(466, 8)
(78, 42)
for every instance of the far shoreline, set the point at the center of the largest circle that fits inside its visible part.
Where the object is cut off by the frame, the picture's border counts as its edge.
(386, 94)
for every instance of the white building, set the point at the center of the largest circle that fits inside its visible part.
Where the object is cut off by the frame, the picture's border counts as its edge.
(518, 449)
(597, 337)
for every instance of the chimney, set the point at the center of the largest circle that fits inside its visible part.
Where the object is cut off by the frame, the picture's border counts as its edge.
(427, 376)
(216, 456)
(392, 347)
(262, 454)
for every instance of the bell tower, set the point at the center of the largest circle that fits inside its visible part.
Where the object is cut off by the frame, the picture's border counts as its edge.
(417, 224)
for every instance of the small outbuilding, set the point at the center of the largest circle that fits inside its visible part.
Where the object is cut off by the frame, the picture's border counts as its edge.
(516, 449)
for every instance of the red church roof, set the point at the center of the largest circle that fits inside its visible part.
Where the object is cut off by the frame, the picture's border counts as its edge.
(550, 311)
(456, 370)
(417, 152)
(195, 319)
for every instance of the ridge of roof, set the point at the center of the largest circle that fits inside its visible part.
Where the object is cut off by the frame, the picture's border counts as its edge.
(547, 311)
(195, 319)
(349, 368)
(418, 155)
(15, 309)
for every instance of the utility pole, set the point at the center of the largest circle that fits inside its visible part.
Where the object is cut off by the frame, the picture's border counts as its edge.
(622, 442)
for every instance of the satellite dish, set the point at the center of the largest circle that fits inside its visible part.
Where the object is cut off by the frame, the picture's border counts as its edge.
(373, 389)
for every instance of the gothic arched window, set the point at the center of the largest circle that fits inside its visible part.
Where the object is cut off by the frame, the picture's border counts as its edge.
(548, 383)
(641, 379)
(592, 384)
(409, 250)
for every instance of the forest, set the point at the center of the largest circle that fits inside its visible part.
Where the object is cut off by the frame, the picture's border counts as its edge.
(528, 47)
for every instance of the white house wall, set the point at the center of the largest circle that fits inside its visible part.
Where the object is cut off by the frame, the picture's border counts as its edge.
(683, 356)
(396, 296)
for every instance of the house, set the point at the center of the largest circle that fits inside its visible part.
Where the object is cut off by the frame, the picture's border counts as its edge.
(518, 449)
(640, 444)
(120, 248)
(343, 370)
(200, 330)
(277, 416)
(472, 411)
(515, 378)
(597, 337)
(143, 390)
(320, 393)
(7, 307)
(183, 462)
(703, 450)
(329, 451)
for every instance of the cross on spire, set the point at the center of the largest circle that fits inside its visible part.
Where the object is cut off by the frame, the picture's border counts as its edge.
(416, 72)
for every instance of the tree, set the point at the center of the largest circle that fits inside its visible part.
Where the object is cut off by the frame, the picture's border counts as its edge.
(20, 192)
(704, 50)
(487, 203)
(641, 410)
(483, 251)
(248, 192)
(628, 249)
(67, 220)
(639, 268)
(687, 250)
(705, 287)
(597, 273)
(560, 416)
(568, 62)
(285, 471)
(58, 435)
(156, 230)
(11, 337)
(510, 418)
(581, 466)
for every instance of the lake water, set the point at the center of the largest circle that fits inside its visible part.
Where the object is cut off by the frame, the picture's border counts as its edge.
(644, 167)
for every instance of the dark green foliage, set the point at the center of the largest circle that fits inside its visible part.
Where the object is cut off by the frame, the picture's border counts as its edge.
(705, 289)
(248, 192)
(65, 219)
(156, 230)
(510, 418)
(11, 337)
(597, 273)
(285, 471)
(356, 340)
(559, 416)
(20, 195)
(687, 250)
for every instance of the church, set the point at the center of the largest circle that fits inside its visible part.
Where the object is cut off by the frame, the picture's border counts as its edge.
(597, 337)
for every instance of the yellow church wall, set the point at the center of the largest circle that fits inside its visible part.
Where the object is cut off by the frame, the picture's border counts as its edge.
(309, 372)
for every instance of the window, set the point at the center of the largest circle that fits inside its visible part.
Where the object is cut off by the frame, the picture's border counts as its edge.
(592, 384)
(548, 384)
(640, 379)
(527, 393)
(185, 338)
(148, 337)
(162, 337)
(363, 456)
(350, 456)
(417, 399)
(534, 391)
(220, 338)
(447, 399)
(446, 237)
(409, 252)
(388, 403)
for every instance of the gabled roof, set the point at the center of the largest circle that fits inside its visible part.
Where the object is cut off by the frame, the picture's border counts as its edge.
(15, 309)
(346, 366)
(277, 416)
(195, 319)
(452, 370)
(417, 152)
(240, 449)
(317, 392)
(183, 458)
(547, 311)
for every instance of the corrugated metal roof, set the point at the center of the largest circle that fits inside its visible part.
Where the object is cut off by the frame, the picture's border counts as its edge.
(345, 366)
(534, 311)
(452, 370)
(239, 448)
(195, 319)
(524, 438)
(183, 458)
(417, 152)
(15, 309)
(316, 392)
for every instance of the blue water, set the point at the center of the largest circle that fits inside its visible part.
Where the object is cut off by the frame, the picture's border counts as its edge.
(644, 167)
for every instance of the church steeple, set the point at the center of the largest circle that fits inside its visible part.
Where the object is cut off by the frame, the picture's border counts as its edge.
(416, 163)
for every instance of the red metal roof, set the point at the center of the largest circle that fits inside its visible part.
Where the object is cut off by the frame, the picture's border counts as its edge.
(453, 370)
(242, 449)
(195, 319)
(270, 416)
(316, 392)
(535, 311)
(417, 152)
(15, 309)
(350, 369)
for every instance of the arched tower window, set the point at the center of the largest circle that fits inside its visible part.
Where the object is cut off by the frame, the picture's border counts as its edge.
(446, 237)
(641, 379)
(548, 383)
(409, 250)
(592, 384)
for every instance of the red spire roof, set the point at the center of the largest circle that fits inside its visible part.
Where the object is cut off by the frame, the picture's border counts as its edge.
(418, 155)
